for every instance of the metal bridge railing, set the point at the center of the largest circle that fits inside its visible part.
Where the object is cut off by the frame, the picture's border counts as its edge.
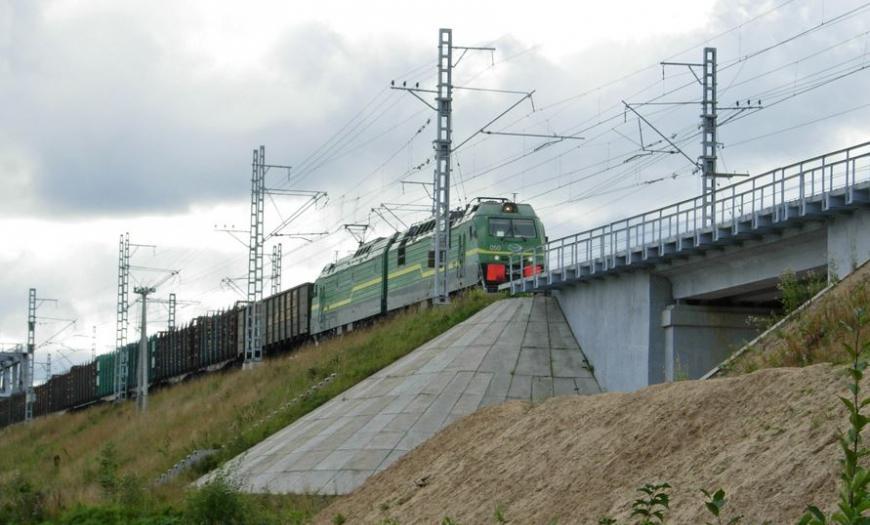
(785, 192)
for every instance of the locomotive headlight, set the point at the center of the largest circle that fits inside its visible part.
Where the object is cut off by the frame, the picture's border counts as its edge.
(497, 258)
(509, 207)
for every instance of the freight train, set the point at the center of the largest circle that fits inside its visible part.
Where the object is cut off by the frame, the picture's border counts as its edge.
(382, 275)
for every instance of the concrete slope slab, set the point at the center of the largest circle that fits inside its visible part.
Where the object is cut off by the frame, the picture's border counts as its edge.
(514, 349)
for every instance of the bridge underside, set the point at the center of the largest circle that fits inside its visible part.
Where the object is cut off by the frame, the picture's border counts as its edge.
(666, 318)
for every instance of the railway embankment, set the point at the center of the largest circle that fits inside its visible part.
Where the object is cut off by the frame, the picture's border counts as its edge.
(107, 453)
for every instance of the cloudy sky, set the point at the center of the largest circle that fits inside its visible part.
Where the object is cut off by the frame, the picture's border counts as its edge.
(140, 117)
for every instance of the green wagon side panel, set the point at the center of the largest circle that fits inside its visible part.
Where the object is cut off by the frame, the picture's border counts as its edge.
(105, 374)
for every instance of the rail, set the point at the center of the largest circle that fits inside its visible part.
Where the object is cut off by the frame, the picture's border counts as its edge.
(782, 192)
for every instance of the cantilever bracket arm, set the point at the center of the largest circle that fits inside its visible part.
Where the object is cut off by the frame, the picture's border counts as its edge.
(662, 135)
(690, 65)
(414, 91)
(500, 115)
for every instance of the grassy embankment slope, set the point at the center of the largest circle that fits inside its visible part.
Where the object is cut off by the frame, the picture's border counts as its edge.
(108, 454)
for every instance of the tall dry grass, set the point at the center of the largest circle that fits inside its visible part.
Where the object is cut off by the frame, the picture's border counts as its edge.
(59, 454)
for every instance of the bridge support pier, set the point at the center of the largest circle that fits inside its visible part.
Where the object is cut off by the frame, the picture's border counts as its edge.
(848, 242)
(698, 338)
(617, 321)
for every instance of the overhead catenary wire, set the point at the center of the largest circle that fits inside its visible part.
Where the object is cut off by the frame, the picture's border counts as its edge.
(466, 178)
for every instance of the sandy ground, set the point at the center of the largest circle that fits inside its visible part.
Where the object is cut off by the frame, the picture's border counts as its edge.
(768, 439)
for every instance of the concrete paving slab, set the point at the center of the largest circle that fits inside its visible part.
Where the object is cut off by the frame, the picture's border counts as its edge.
(521, 388)
(562, 337)
(384, 440)
(533, 362)
(542, 388)
(501, 358)
(514, 349)
(565, 386)
(569, 363)
(537, 335)
(587, 385)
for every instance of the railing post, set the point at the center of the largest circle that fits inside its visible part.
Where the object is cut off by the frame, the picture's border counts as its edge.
(601, 245)
(576, 256)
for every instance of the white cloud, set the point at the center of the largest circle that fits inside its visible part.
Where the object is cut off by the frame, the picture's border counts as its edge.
(140, 116)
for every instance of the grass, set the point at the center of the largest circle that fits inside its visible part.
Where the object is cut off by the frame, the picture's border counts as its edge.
(812, 335)
(98, 456)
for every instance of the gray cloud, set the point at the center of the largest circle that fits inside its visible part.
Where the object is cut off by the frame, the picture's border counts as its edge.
(106, 117)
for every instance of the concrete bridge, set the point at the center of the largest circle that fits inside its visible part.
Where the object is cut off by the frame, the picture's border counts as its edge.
(667, 293)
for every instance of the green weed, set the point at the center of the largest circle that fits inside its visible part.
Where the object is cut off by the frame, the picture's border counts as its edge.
(715, 503)
(854, 500)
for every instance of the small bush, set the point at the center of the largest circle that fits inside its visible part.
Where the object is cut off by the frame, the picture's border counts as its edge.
(796, 292)
(650, 508)
(21, 501)
(217, 502)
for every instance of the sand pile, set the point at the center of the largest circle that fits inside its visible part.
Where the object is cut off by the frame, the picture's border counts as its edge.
(768, 439)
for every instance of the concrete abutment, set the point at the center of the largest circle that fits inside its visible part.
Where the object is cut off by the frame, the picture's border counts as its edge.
(680, 319)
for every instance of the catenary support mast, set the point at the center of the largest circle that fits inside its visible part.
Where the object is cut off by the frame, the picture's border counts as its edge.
(144, 355)
(442, 145)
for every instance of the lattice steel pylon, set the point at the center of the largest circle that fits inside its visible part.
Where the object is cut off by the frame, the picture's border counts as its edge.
(276, 268)
(707, 160)
(441, 188)
(30, 349)
(253, 315)
(122, 310)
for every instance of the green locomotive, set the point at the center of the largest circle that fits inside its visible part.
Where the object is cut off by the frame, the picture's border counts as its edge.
(391, 272)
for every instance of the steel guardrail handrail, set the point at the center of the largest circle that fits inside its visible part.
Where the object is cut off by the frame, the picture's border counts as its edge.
(771, 190)
(751, 183)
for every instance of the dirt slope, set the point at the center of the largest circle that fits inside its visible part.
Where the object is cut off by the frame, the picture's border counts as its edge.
(767, 438)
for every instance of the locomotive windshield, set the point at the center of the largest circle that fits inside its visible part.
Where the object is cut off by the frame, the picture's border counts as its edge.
(513, 228)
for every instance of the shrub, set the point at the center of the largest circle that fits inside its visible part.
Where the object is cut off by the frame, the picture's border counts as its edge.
(796, 292)
(217, 502)
(21, 501)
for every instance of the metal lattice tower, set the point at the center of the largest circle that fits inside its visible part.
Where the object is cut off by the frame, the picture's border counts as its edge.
(121, 364)
(171, 326)
(442, 145)
(94, 343)
(253, 317)
(707, 160)
(276, 268)
(27, 376)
